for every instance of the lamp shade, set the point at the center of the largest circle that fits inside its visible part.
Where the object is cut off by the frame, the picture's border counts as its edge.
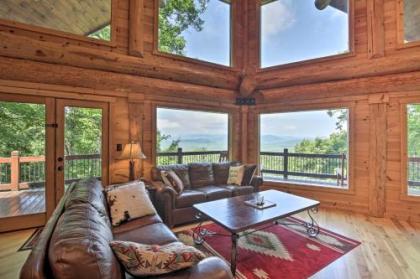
(132, 151)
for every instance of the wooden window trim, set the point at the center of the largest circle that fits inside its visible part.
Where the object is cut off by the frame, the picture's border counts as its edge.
(350, 106)
(400, 28)
(67, 35)
(404, 152)
(198, 108)
(351, 52)
(233, 63)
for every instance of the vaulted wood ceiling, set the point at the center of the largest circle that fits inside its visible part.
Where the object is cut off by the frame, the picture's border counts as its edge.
(81, 17)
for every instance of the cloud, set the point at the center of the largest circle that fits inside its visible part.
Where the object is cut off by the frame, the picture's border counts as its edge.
(276, 17)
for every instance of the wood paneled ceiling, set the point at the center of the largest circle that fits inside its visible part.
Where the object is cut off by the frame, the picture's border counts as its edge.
(81, 17)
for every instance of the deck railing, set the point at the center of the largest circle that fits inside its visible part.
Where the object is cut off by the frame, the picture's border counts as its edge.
(181, 157)
(17, 172)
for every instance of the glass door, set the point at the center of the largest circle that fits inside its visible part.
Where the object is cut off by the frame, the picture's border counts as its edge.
(81, 143)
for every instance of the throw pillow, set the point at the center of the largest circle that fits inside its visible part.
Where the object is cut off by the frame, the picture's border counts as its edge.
(146, 260)
(170, 178)
(129, 201)
(248, 174)
(236, 174)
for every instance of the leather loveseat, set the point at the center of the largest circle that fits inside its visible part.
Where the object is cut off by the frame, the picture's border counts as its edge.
(202, 182)
(75, 241)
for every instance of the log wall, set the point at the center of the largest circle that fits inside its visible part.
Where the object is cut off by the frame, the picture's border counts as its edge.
(130, 75)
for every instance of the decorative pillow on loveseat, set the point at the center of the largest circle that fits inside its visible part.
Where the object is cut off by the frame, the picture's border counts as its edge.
(236, 174)
(146, 260)
(170, 178)
(128, 201)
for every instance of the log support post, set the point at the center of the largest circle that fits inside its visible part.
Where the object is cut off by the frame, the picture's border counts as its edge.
(14, 170)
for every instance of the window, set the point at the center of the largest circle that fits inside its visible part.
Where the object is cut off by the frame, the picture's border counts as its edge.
(293, 31)
(198, 29)
(411, 20)
(413, 149)
(90, 18)
(187, 136)
(305, 147)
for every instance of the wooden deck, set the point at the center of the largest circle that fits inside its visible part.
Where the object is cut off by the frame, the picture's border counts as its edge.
(15, 203)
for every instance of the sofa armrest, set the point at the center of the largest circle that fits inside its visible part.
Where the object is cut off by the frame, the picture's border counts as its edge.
(212, 267)
(256, 182)
(165, 201)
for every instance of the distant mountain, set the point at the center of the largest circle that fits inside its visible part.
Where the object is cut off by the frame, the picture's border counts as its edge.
(219, 142)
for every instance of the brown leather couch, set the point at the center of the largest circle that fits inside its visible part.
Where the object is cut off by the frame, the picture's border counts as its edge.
(75, 241)
(203, 182)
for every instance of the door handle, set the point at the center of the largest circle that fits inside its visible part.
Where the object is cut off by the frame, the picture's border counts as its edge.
(60, 168)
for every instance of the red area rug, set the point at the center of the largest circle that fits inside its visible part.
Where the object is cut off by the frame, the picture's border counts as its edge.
(280, 251)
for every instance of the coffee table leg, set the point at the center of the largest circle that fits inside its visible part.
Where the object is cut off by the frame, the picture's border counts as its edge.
(312, 227)
(233, 253)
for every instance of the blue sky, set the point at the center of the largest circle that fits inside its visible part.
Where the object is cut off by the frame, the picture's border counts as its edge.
(291, 30)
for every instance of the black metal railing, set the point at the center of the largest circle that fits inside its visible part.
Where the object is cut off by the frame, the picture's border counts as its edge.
(322, 168)
(181, 157)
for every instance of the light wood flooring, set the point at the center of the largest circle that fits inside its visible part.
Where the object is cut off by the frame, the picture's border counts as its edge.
(390, 248)
(16, 203)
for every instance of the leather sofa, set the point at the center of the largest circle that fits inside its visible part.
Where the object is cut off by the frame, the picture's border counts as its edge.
(202, 182)
(75, 241)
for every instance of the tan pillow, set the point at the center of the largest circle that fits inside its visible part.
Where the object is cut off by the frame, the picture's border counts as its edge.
(146, 260)
(236, 174)
(129, 201)
(172, 179)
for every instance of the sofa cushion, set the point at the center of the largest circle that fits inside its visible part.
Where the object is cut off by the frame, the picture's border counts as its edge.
(156, 233)
(144, 260)
(181, 170)
(215, 192)
(201, 174)
(189, 197)
(82, 235)
(248, 174)
(137, 223)
(221, 173)
(238, 190)
(170, 178)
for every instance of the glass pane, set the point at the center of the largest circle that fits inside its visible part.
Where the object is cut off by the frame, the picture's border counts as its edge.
(307, 147)
(22, 159)
(413, 146)
(187, 136)
(197, 29)
(82, 144)
(91, 18)
(294, 31)
(411, 20)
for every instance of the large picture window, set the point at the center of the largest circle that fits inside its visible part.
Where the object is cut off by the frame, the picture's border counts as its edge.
(89, 18)
(306, 147)
(198, 29)
(189, 136)
(413, 149)
(411, 13)
(293, 31)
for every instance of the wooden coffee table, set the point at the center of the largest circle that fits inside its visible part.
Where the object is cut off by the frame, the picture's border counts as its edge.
(241, 219)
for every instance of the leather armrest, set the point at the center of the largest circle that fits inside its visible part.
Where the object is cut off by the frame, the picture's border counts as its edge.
(211, 267)
(256, 182)
(165, 201)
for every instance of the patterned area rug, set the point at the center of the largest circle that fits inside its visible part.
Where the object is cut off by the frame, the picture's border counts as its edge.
(32, 240)
(276, 252)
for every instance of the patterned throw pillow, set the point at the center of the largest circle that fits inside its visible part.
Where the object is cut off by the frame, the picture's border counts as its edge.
(128, 201)
(236, 174)
(171, 178)
(145, 260)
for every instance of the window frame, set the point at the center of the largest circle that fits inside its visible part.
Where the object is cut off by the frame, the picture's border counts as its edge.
(196, 108)
(67, 35)
(350, 106)
(351, 51)
(400, 28)
(232, 61)
(404, 195)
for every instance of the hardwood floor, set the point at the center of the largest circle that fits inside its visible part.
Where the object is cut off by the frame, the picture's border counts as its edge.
(16, 203)
(390, 248)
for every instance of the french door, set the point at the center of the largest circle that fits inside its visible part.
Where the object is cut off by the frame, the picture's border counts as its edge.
(81, 142)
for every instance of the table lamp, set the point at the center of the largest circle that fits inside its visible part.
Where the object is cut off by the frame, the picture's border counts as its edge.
(132, 151)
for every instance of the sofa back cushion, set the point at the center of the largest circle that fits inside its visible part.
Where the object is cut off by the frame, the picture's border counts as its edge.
(201, 174)
(221, 172)
(182, 171)
(248, 174)
(79, 246)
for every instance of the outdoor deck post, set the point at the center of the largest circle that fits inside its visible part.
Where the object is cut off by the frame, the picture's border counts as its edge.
(14, 170)
(179, 156)
(285, 163)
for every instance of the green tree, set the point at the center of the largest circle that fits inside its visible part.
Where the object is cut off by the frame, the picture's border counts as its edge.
(413, 129)
(160, 138)
(176, 16)
(102, 34)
